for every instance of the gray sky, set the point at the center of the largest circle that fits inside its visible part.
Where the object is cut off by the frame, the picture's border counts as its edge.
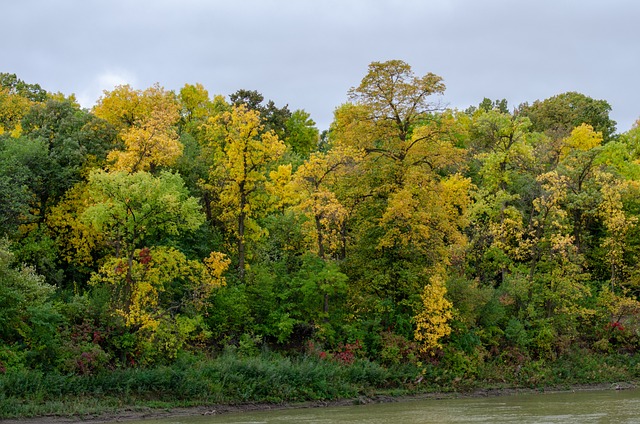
(308, 53)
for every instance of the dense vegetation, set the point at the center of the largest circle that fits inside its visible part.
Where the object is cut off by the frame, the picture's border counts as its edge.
(407, 244)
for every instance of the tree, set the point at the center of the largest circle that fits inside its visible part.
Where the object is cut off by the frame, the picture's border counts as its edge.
(617, 223)
(302, 136)
(245, 154)
(159, 281)
(14, 85)
(136, 210)
(501, 165)
(76, 138)
(196, 105)
(146, 121)
(72, 140)
(137, 213)
(24, 168)
(558, 115)
(409, 204)
(28, 317)
(578, 153)
(272, 117)
(432, 322)
(396, 97)
(313, 183)
(80, 246)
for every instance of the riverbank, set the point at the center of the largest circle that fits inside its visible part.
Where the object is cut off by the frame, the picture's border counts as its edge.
(135, 414)
(230, 383)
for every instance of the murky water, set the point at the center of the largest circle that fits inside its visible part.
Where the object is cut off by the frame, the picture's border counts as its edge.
(609, 406)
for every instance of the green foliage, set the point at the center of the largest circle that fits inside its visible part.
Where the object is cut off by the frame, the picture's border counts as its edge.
(23, 296)
(302, 135)
(559, 114)
(15, 85)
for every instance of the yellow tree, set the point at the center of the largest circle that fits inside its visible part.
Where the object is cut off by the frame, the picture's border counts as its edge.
(313, 183)
(409, 203)
(13, 108)
(432, 321)
(146, 121)
(195, 104)
(78, 240)
(245, 154)
(161, 281)
(617, 223)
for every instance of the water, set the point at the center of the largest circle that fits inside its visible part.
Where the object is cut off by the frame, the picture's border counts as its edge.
(609, 406)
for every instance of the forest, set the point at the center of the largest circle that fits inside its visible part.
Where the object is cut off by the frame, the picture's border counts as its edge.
(161, 225)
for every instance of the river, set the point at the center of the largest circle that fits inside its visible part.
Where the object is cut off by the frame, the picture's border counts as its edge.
(604, 406)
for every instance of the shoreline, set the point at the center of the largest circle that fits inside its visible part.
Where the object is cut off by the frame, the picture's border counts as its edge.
(132, 414)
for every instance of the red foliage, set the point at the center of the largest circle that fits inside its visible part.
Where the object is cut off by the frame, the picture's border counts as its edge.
(347, 353)
(145, 256)
(616, 326)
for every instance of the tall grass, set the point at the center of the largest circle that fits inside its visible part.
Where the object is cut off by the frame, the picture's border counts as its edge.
(229, 379)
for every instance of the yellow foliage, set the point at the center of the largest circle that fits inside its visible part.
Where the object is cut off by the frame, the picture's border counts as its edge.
(618, 306)
(146, 121)
(312, 186)
(17, 131)
(279, 186)
(432, 322)
(243, 154)
(137, 286)
(583, 138)
(427, 215)
(77, 239)
(214, 266)
(618, 224)
(13, 108)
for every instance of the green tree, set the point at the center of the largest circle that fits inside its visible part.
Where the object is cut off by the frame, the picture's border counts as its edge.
(560, 114)
(15, 85)
(28, 318)
(302, 136)
(134, 211)
(272, 117)
(501, 161)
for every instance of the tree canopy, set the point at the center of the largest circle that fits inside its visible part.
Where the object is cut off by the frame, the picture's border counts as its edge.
(162, 222)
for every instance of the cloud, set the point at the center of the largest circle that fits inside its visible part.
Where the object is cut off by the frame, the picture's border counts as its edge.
(307, 53)
(106, 80)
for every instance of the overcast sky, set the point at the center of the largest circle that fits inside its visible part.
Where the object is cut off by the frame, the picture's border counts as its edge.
(308, 53)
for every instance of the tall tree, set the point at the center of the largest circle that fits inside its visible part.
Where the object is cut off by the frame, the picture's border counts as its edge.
(409, 204)
(301, 134)
(245, 153)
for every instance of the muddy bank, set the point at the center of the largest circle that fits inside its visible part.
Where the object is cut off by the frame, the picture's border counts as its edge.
(131, 414)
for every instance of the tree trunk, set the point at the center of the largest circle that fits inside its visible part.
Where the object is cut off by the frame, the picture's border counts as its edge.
(241, 228)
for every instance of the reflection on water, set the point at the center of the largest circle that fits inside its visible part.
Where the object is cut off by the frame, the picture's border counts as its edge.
(581, 407)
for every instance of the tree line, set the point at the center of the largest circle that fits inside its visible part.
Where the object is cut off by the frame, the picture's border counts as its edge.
(161, 222)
